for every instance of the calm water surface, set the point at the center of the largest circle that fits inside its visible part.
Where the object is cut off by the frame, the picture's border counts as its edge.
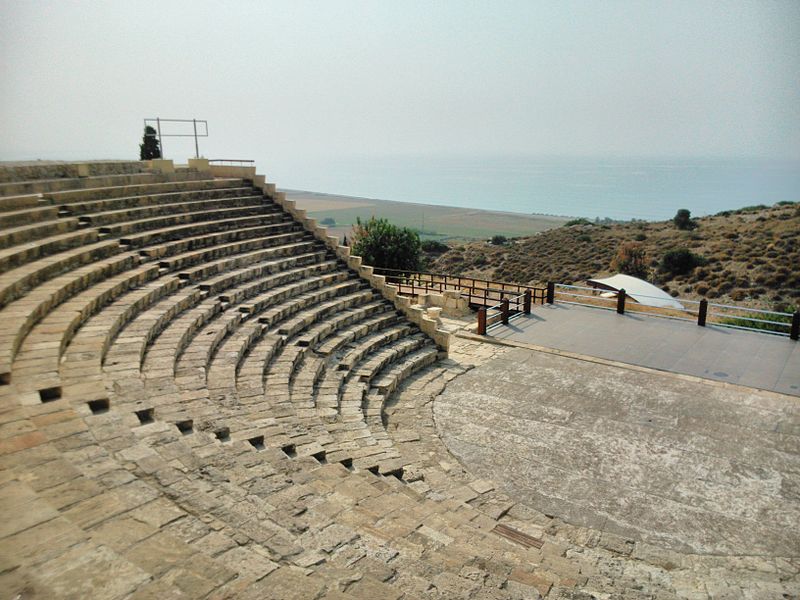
(615, 188)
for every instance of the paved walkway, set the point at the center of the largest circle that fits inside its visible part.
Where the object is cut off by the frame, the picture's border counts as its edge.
(746, 358)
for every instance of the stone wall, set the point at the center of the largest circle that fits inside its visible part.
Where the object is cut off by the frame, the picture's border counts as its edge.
(46, 169)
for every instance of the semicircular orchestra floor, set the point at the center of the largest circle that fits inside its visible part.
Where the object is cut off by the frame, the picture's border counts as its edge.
(692, 467)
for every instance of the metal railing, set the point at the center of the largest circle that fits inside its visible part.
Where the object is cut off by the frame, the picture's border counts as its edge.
(701, 312)
(503, 312)
(478, 292)
(160, 135)
(498, 302)
(233, 161)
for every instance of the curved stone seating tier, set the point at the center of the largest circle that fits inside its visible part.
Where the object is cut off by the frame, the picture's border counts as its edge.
(180, 232)
(37, 360)
(20, 217)
(120, 198)
(201, 400)
(148, 211)
(16, 282)
(217, 237)
(22, 234)
(183, 218)
(21, 315)
(101, 183)
(18, 255)
(9, 203)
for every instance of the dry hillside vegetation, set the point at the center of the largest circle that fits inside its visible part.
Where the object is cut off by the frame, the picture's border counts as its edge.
(751, 256)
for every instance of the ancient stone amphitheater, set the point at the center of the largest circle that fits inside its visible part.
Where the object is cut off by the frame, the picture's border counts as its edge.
(203, 396)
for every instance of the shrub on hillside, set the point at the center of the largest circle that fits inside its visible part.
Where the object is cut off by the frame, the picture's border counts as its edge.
(434, 246)
(680, 261)
(630, 259)
(750, 209)
(499, 240)
(381, 244)
(683, 219)
(580, 221)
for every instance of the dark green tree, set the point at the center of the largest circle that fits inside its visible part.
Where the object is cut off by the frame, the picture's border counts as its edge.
(381, 244)
(683, 219)
(150, 146)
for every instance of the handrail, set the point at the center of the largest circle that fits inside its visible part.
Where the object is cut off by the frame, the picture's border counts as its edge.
(381, 270)
(755, 310)
(231, 160)
(480, 295)
(729, 316)
(457, 281)
(160, 135)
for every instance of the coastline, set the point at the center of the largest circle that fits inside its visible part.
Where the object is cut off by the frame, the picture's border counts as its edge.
(430, 220)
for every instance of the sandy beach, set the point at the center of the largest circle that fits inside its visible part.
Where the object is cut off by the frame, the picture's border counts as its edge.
(433, 222)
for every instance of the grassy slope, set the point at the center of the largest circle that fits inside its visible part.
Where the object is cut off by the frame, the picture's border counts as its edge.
(753, 256)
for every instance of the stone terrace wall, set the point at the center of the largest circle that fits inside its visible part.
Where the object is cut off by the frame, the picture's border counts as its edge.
(51, 169)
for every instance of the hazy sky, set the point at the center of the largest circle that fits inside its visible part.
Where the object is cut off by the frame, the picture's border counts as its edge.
(294, 81)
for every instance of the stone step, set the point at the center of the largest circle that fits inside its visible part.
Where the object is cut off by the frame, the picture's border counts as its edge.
(371, 364)
(34, 232)
(371, 343)
(209, 269)
(144, 211)
(16, 256)
(214, 252)
(151, 183)
(258, 304)
(216, 237)
(38, 214)
(36, 365)
(15, 283)
(387, 381)
(24, 313)
(37, 186)
(161, 235)
(116, 198)
(128, 228)
(9, 203)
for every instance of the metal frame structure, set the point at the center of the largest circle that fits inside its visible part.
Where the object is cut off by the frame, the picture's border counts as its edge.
(158, 121)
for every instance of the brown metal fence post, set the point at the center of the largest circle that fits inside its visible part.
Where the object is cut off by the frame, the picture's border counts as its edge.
(551, 292)
(482, 321)
(526, 306)
(701, 314)
(621, 301)
(504, 309)
(795, 332)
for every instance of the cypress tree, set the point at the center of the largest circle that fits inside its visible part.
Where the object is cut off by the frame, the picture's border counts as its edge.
(150, 146)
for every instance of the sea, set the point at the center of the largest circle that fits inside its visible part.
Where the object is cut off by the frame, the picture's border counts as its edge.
(595, 188)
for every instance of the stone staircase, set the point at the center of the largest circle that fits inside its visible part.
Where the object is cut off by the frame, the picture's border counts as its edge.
(196, 400)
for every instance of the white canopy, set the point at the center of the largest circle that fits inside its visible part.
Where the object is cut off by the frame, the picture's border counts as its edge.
(638, 289)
